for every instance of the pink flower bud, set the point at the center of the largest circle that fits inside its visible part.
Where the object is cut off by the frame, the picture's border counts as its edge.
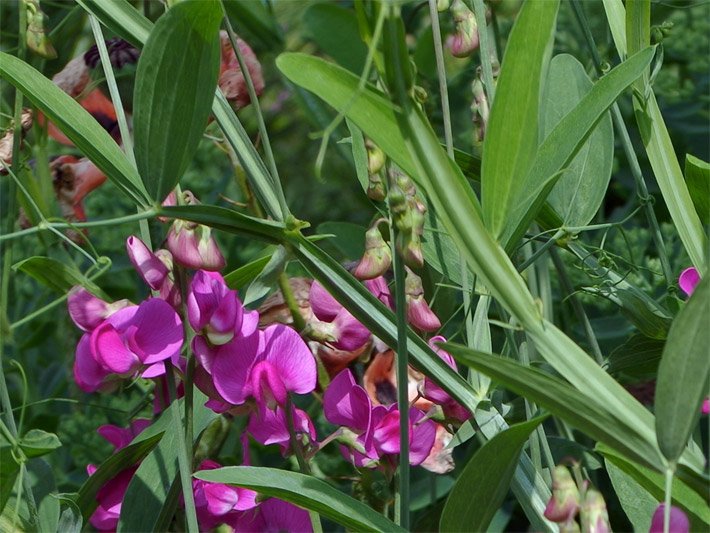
(231, 78)
(465, 40)
(679, 522)
(149, 266)
(419, 314)
(564, 503)
(378, 256)
(594, 517)
(194, 247)
(88, 311)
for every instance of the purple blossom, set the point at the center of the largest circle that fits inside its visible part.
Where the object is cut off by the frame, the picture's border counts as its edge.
(678, 524)
(155, 269)
(269, 426)
(688, 280)
(213, 310)
(274, 516)
(88, 311)
(347, 332)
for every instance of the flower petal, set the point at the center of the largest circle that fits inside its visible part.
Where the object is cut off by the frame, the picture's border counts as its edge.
(291, 357)
(324, 306)
(109, 350)
(159, 332)
(346, 404)
(88, 373)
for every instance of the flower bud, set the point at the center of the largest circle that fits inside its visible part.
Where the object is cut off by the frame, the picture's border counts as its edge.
(442, 5)
(375, 157)
(375, 188)
(88, 311)
(378, 256)
(465, 40)
(419, 314)
(678, 524)
(36, 38)
(149, 266)
(564, 503)
(594, 517)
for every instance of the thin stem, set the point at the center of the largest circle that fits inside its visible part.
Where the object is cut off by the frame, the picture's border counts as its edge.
(140, 216)
(622, 131)
(668, 492)
(541, 250)
(298, 321)
(567, 287)
(401, 360)
(441, 74)
(183, 461)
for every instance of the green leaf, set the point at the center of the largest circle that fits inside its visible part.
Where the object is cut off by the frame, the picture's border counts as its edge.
(40, 480)
(305, 491)
(111, 467)
(637, 503)
(175, 81)
(561, 145)
(121, 18)
(683, 374)
(440, 251)
(485, 480)
(9, 468)
(697, 177)
(692, 501)
(335, 30)
(637, 357)
(37, 442)
(58, 276)
(77, 124)
(512, 132)
(241, 277)
(349, 238)
(70, 520)
(359, 154)
(266, 280)
(587, 413)
(253, 19)
(153, 493)
(577, 195)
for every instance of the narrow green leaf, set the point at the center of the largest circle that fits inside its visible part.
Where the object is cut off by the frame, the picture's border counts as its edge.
(512, 133)
(637, 357)
(637, 503)
(683, 374)
(175, 81)
(615, 15)
(335, 30)
(563, 142)
(77, 124)
(37, 442)
(153, 492)
(359, 154)
(254, 19)
(577, 195)
(9, 468)
(110, 468)
(58, 276)
(693, 501)
(241, 277)
(697, 177)
(485, 480)
(121, 18)
(587, 413)
(266, 280)
(305, 491)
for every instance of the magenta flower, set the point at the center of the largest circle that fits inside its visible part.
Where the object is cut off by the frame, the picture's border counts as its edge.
(679, 522)
(193, 245)
(274, 515)
(217, 503)
(213, 309)
(688, 280)
(121, 437)
(88, 311)
(431, 391)
(269, 426)
(379, 288)
(136, 339)
(110, 498)
(154, 268)
(345, 332)
(419, 314)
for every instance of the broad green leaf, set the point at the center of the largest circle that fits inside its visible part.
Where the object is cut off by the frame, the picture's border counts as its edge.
(127, 22)
(485, 480)
(658, 144)
(37, 442)
(335, 30)
(9, 468)
(70, 520)
(651, 321)
(694, 502)
(577, 195)
(40, 480)
(305, 491)
(175, 80)
(637, 503)
(512, 132)
(252, 18)
(440, 251)
(153, 493)
(58, 276)
(77, 124)
(560, 146)
(241, 277)
(697, 177)
(587, 413)
(683, 374)
(111, 467)
(637, 357)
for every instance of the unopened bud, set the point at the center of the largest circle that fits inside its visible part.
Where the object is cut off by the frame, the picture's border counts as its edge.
(678, 520)
(465, 39)
(564, 503)
(375, 157)
(36, 38)
(419, 314)
(378, 256)
(442, 5)
(594, 517)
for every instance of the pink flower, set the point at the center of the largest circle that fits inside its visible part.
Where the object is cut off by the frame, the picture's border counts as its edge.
(347, 333)
(134, 339)
(212, 308)
(432, 391)
(564, 503)
(274, 515)
(231, 78)
(121, 437)
(678, 524)
(688, 280)
(217, 503)
(269, 426)
(88, 311)
(419, 314)
(154, 268)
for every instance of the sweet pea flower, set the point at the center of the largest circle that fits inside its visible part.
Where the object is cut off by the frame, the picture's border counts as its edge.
(688, 280)
(269, 426)
(345, 332)
(155, 269)
(121, 437)
(213, 310)
(432, 391)
(564, 503)
(135, 339)
(217, 503)
(679, 522)
(88, 311)
(274, 516)
(419, 314)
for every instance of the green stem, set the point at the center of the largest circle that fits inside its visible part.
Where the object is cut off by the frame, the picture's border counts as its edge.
(441, 74)
(298, 322)
(668, 500)
(402, 363)
(183, 461)
(629, 151)
(541, 250)
(567, 287)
